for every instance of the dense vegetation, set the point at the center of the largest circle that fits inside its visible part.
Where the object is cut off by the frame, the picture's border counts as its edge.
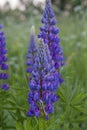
(71, 110)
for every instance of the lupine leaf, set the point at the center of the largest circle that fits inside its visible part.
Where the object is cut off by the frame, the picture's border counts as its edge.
(80, 109)
(78, 99)
(81, 118)
(61, 95)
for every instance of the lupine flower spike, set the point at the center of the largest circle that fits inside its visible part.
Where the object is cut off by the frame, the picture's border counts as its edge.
(43, 83)
(31, 51)
(49, 33)
(3, 60)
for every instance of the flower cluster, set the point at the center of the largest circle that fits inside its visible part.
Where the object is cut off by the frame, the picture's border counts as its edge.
(44, 62)
(3, 60)
(43, 83)
(49, 33)
(32, 50)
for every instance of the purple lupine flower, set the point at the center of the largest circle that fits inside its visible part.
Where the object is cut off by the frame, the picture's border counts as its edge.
(32, 49)
(3, 60)
(49, 33)
(43, 83)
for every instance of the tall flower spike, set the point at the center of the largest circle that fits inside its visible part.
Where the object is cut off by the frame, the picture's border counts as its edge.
(32, 49)
(49, 33)
(3, 60)
(43, 84)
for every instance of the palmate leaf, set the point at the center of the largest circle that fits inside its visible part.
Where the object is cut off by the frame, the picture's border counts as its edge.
(4, 95)
(74, 90)
(80, 109)
(72, 95)
(62, 95)
(81, 118)
(16, 109)
(67, 93)
(13, 115)
(79, 99)
(78, 103)
(11, 102)
(4, 118)
(73, 102)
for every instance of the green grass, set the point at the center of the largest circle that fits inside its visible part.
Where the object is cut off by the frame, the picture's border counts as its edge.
(71, 110)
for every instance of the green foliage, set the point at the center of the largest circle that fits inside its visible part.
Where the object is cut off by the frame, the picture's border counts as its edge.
(71, 109)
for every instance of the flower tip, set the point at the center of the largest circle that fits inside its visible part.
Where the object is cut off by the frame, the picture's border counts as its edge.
(33, 30)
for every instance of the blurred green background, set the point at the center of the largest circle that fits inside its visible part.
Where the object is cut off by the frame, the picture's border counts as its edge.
(71, 110)
(23, 9)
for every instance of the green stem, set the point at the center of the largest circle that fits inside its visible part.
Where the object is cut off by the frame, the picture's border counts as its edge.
(38, 125)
